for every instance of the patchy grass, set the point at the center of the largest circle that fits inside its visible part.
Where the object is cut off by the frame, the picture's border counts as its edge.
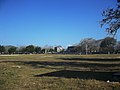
(59, 72)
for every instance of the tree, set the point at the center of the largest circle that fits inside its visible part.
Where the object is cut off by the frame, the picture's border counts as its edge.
(12, 50)
(117, 47)
(112, 19)
(30, 49)
(22, 50)
(38, 49)
(43, 51)
(88, 45)
(107, 45)
(2, 49)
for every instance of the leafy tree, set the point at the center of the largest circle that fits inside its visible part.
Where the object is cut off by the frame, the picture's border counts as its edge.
(55, 49)
(38, 49)
(12, 50)
(117, 47)
(107, 45)
(112, 19)
(30, 49)
(22, 50)
(2, 49)
(43, 51)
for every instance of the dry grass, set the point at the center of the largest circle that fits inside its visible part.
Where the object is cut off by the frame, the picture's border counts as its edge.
(58, 72)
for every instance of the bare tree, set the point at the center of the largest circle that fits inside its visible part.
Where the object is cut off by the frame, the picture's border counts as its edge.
(112, 19)
(88, 45)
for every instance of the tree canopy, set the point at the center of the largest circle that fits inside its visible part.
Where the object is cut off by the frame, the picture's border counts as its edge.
(12, 50)
(2, 49)
(38, 49)
(30, 49)
(107, 45)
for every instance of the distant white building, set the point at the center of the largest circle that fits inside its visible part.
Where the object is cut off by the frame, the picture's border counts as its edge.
(59, 48)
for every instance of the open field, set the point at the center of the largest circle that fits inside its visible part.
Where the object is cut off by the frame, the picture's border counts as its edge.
(58, 72)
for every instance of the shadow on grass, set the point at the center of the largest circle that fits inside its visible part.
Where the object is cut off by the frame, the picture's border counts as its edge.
(42, 64)
(71, 64)
(98, 75)
(93, 59)
(103, 76)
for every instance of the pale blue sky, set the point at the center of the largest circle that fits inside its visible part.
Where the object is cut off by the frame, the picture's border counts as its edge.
(52, 22)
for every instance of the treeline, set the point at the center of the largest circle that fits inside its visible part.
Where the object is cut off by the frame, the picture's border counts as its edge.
(30, 49)
(19, 50)
(107, 45)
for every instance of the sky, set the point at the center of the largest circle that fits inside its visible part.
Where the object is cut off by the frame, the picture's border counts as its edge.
(51, 22)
